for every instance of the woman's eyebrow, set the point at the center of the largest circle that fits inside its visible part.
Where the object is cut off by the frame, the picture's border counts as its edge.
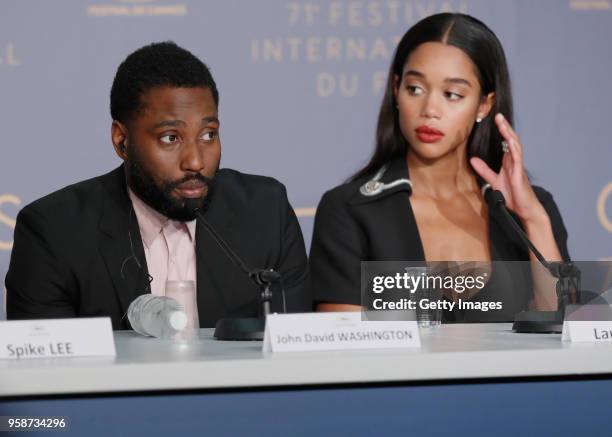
(414, 73)
(454, 80)
(458, 81)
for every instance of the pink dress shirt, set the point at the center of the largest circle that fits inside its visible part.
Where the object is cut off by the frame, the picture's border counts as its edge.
(169, 246)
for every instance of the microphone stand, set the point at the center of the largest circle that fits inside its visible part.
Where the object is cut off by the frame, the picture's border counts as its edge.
(246, 328)
(567, 274)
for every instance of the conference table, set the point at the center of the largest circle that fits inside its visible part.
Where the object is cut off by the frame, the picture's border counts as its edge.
(472, 379)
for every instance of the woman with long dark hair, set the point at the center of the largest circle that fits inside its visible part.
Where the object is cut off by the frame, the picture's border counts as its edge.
(444, 133)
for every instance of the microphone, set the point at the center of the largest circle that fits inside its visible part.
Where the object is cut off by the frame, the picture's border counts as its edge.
(567, 274)
(245, 328)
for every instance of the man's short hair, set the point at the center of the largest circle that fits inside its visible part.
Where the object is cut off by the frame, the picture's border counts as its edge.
(156, 65)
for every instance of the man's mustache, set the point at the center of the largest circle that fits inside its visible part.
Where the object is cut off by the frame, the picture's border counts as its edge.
(193, 177)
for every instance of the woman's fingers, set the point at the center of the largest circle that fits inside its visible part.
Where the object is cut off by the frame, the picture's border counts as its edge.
(517, 158)
(508, 132)
(484, 170)
(502, 123)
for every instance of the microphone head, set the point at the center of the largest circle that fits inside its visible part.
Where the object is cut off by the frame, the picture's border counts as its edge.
(498, 198)
(192, 205)
(493, 197)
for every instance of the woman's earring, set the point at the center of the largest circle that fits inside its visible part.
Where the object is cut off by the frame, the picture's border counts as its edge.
(478, 120)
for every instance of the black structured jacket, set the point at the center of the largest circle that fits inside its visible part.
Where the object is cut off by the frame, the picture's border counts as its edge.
(70, 246)
(350, 228)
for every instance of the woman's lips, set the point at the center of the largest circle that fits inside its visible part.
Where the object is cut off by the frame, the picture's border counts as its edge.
(428, 134)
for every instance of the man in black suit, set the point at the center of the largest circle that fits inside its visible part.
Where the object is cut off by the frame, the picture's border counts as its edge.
(79, 252)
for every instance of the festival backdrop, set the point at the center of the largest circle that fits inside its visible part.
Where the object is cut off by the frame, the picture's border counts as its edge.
(300, 85)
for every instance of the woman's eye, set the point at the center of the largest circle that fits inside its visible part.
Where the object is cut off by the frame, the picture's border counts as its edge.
(169, 139)
(414, 90)
(453, 96)
(209, 136)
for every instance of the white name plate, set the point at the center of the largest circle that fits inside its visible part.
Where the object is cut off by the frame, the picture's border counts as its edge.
(336, 331)
(587, 331)
(55, 338)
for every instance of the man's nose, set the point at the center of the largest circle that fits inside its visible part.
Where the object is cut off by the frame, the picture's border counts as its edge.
(192, 158)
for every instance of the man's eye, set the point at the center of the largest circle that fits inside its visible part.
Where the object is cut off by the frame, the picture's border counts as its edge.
(453, 96)
(414, 90)
(209, 136)
(169, 139)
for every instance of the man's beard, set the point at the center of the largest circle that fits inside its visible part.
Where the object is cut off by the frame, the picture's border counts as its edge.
(159, 197)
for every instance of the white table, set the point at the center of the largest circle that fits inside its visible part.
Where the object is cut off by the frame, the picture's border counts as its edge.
(465, 379)
(450, 352)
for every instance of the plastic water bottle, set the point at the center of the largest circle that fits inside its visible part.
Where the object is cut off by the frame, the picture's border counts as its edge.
(157, 316)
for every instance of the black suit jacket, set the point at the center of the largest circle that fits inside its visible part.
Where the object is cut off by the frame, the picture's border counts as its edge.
(72, 257)
(350, 228)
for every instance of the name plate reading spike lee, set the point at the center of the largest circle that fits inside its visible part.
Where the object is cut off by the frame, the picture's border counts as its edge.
(336, 331)
(56, 338)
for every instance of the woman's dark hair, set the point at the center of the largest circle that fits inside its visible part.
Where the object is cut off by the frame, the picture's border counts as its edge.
(477, 41)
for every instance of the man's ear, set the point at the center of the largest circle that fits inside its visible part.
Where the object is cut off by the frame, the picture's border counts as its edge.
(485, 106)
(118, 137)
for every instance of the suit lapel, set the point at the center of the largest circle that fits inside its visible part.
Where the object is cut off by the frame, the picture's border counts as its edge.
(120, 242)
(390, 217)
(399, 217)
(215, 271)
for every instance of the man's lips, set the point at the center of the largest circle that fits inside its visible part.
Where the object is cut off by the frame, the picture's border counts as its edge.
(428, 134)
(192, 189)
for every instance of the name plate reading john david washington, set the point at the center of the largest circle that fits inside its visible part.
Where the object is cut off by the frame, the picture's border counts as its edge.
(336, 331)
(56, 338)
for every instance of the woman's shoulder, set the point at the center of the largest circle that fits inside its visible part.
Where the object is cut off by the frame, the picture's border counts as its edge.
(548, 202)
(343, 194)
(556, 221)
(543, 195)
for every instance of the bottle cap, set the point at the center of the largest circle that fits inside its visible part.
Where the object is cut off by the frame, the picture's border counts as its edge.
(178, 320)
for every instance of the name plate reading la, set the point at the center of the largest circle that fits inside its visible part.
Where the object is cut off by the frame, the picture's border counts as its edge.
(588, 323)
(56, 338)
(587, 331)
(336, 331)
